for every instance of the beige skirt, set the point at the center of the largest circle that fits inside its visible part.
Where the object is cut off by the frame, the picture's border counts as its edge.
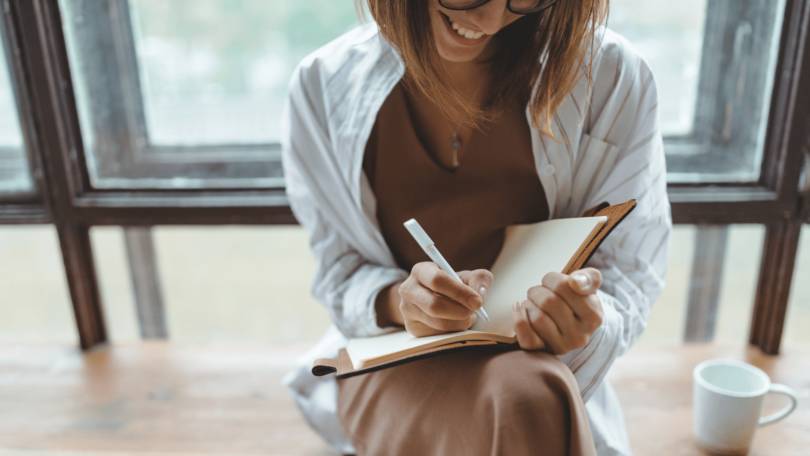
(467, 403)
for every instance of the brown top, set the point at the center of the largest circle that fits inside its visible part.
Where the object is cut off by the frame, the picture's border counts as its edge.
(464, 211)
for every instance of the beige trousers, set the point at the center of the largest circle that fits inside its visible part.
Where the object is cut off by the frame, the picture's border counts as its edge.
(467, 403)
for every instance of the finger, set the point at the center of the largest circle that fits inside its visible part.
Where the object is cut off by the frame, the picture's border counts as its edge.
(581, 305)
(434, 304)
(479, 280)
(412, 312)
(558, 309)
(419, 329)
(433, 278)
(545, 327)
(527, 338)
(585, 281)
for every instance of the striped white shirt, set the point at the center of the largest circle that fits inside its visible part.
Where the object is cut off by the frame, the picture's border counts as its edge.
(610, 149)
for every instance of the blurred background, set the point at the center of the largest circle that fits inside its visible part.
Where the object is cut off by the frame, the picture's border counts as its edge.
(213, 74)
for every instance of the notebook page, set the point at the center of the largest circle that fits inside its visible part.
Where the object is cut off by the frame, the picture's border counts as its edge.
(529, 253)
(368, 348)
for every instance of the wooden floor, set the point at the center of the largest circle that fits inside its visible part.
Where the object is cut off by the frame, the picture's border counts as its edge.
(163, 398)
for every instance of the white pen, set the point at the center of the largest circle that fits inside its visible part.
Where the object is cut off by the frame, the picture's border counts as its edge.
(430, 248)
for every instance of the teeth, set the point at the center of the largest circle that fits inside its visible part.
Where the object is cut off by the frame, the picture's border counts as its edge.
(466, 33)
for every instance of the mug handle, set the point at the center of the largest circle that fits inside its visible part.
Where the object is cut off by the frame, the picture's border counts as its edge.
(774, 417)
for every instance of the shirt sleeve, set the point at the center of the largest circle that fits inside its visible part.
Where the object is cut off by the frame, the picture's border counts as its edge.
(625, 147)
(346, 282)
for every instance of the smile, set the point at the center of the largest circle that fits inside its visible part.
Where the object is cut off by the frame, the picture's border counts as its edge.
(463, 31)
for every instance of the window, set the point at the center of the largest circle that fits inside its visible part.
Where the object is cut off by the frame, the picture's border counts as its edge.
(714, 64)
(15, 176)
(156, 112)
(189, 93)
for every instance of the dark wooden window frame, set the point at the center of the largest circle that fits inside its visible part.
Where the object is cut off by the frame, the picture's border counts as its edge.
(66, 199)
(128, 158)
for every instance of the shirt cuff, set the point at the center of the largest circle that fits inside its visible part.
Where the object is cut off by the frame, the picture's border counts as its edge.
(590, 363)
(360, 298)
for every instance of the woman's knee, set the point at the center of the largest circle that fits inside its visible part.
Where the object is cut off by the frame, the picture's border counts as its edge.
(529, 385)
(529, 369)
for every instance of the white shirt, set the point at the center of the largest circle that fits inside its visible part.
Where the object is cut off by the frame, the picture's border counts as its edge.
(612, 152)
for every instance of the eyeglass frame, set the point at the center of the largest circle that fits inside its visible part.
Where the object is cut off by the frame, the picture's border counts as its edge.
(536, 9)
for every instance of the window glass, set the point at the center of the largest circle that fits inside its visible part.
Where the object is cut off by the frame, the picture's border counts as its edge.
(667, 319)
(189, 93)
(797, 325)
(216, 71)
(670, 36)
(15, 177)
(34, 299)
(714, 64)
(115, 283)
(238, 284)
(739, 283)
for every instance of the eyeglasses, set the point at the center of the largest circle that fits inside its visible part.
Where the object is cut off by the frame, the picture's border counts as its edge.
(514, 6)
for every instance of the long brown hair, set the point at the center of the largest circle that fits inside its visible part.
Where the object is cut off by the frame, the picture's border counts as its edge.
(542, 56)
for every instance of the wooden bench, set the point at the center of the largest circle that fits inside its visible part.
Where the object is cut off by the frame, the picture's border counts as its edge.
(167, 398)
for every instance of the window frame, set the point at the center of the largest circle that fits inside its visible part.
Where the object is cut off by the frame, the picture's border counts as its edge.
(19, 207)
(702, 148)
(68, 200)
(147, 166)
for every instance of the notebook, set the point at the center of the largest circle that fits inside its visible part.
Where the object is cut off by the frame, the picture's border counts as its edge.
(529, 253)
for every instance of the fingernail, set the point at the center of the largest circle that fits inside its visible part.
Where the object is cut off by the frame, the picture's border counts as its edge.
(515, 306)
(482, 291)
(582, 280)
(476, 302)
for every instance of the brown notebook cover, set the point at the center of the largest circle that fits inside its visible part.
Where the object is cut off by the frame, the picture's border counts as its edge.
(344, 368)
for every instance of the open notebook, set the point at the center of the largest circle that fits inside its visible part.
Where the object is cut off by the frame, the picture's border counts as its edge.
(529, 253)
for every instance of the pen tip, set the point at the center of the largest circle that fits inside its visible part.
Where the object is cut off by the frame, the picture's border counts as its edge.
(484, 314)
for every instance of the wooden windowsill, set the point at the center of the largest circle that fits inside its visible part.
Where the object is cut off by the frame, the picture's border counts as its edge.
(163, 397)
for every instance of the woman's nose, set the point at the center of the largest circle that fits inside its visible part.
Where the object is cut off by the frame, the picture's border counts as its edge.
(489, 17)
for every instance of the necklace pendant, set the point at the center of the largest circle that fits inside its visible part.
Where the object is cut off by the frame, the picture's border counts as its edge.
(455, 143)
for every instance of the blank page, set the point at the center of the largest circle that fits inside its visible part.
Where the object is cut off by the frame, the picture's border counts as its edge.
(528, 254)
(364, 350)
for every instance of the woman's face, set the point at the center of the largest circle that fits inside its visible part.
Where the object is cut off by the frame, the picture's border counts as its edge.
(462, 36)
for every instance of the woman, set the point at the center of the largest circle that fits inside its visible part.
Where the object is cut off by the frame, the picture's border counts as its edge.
(471, 116)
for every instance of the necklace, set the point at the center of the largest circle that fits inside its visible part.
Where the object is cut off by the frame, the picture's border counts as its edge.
(455, 141)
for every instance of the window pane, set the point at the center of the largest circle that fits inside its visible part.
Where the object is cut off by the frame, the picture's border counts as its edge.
(667, 320)
(797, 326)
(15, 176)
(34, 300)
(238, 284)
(188, 93)
(669, 35)
(216, 71)
(713, 62)
(739, 283)
(115, 283)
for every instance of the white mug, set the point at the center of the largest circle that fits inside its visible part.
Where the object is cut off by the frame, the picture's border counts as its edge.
(728, 397)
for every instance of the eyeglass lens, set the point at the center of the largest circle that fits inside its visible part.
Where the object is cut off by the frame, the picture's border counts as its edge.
(516, 5)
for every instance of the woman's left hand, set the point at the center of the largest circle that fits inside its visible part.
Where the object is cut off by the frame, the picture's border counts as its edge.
(561, 314)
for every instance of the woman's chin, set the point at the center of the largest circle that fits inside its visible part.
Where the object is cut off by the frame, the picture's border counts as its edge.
(460, 55)
(455, 53)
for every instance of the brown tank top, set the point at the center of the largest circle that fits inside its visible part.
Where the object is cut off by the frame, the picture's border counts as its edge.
(465, 211)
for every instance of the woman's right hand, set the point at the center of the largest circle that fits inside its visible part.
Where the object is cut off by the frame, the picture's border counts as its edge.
(433, 302)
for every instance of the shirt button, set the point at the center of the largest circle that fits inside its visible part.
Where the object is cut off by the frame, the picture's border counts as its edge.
(549, 170)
